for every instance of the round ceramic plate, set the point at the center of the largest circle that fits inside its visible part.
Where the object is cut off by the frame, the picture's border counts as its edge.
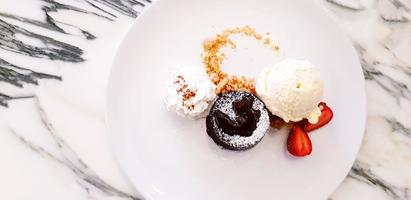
(168, 157)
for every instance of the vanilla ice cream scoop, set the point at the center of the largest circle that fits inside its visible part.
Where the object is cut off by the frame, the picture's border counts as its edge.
(291, 90)
(190, 92)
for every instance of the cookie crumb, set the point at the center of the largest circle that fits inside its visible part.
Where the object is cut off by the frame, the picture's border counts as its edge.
(212, 58)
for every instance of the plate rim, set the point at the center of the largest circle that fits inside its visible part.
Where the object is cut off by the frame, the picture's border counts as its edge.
(142, 189)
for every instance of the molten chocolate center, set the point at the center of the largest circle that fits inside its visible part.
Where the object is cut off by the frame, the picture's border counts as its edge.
(245, 120)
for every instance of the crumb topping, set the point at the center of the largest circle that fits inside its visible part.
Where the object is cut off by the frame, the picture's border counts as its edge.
(213, 58)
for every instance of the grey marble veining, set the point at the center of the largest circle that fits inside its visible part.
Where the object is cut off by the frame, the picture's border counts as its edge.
(62, 63)
(361, 172)
(51, 48)
(56, 49)
(350, 5)
(370, 68)
(67, 158)
(17, 76)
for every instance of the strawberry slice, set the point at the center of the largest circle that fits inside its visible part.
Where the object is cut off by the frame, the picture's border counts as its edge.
(298, 142)
(325, 117)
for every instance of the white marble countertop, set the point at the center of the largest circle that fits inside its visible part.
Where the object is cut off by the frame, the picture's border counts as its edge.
(55, 57)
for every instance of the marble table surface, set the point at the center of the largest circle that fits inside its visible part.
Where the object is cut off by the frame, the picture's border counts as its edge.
(55, 58)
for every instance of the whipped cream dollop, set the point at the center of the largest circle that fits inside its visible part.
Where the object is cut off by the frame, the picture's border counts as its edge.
(190, 92)
(291, 90)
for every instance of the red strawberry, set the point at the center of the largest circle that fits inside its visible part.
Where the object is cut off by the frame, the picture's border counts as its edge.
(298, 142)
(326, 116)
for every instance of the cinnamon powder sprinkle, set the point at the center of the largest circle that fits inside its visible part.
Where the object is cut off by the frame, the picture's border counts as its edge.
(213, 58)
(185, 92)
(188, 94)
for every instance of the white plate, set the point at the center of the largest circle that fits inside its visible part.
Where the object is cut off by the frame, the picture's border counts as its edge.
(170, 158)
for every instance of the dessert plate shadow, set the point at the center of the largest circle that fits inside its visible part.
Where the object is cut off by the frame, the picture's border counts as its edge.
(167, 157)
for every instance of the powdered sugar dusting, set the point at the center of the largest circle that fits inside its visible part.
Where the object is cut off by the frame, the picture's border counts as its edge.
(225, 105)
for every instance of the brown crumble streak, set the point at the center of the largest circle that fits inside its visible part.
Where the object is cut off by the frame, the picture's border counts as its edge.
(212, 58)
(277, 48)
